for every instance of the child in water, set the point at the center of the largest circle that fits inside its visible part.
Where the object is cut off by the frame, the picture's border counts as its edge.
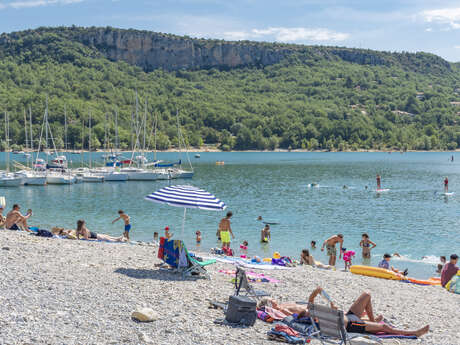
(244, 249)
(313, 244)
(198, 236)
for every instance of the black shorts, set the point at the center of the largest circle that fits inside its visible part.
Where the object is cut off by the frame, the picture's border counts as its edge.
(355, 324)
(92, 235)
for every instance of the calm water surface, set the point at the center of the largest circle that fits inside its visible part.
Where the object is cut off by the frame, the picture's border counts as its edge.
(413, 218)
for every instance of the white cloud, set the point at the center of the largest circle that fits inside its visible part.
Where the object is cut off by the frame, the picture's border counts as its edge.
(36, 3)
(446, 16)
(283, 34)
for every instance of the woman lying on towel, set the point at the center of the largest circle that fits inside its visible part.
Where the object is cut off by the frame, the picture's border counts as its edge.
(307, 259)
(354, 321)
(84, 232)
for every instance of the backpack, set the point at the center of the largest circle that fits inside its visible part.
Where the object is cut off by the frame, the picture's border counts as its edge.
(44, 233)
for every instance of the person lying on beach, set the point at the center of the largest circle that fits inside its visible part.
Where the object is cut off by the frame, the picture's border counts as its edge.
(87, 234)
(307, 259)
(16, 221)
(354, 318)
(385, 263)
(331, 250)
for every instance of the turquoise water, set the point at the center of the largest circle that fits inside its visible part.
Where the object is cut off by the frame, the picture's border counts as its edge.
(413, 218)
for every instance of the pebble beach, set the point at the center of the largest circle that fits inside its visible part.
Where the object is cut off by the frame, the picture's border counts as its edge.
(57, 291)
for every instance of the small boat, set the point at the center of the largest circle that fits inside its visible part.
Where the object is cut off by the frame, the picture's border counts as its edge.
(197, 155)
(32, 178)
(220, 163)
(57, 177)
(10, 180)
(91, 177)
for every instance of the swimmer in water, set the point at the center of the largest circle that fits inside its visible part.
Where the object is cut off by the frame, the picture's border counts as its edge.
(198, 236)
(345, 186)
(379, 186)
(265, 236)
(446, 185)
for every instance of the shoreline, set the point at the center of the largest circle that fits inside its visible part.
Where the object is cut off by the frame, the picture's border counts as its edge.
(77, 292)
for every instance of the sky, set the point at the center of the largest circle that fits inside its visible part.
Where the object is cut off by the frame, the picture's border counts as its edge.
(390, 25)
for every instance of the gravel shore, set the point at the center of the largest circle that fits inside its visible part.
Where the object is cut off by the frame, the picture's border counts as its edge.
(79, 292)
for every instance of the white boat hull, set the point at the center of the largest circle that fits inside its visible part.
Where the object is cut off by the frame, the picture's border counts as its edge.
(10, 181)
(92, 178)
(140, 174)
(115, 176)
(61, 179)
(34, 180)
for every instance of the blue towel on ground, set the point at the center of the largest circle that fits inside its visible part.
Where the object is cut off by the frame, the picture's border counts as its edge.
(288, 338)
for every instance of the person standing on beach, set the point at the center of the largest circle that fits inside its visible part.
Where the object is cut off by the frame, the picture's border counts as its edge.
(366, 245)
(331, 249)
(126, 219)
(446, 185)
(379, 186)
(225, 230)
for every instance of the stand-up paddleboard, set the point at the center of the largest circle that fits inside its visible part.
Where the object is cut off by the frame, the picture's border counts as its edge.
(382, 190)
(270, 223)
(448, 194)
(313, 185)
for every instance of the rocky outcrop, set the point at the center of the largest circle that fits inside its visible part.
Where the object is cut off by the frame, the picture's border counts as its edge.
(150, 50)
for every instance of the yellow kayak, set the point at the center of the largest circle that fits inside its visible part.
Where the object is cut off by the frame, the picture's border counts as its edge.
(375, 272)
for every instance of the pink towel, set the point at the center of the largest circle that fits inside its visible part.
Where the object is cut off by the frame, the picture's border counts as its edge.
(274, 313)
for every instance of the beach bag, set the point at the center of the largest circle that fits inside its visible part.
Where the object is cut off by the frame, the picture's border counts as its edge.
(242, 310)
(454, 284)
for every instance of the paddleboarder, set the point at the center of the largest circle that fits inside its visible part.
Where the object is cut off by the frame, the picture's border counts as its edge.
(378, 182)
(446, 185)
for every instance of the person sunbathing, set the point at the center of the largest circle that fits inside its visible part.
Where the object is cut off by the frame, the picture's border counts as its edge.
(87, 234)
(354, 318)
(307, 259)
(16, 221)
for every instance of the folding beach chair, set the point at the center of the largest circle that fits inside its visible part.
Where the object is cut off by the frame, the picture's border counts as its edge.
(241, 282)
(331, 326)
(194, 266)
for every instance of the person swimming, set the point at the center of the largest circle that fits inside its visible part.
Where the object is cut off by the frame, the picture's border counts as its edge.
(265, 235)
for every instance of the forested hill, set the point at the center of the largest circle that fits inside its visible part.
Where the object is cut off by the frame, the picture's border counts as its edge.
(238, 95)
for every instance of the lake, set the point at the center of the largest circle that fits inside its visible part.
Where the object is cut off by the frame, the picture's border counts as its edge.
(413, 219)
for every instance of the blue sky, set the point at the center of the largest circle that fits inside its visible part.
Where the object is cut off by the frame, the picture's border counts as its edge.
(405, 25)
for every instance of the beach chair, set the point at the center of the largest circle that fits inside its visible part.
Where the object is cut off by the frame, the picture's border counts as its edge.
(242, 283)
(196, 267)
(331, 326)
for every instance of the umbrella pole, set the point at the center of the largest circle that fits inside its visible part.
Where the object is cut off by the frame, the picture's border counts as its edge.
(183, 223)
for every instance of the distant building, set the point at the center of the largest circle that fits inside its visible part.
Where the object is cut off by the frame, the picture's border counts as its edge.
(420, 95)
(455, 104)
(400, 112)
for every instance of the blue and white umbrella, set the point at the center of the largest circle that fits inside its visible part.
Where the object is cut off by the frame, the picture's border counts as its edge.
(187, 197)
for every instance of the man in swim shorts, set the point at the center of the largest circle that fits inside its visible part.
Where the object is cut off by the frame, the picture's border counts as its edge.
(225, 230)
(379, 186)
(331, 249)
(126, 219)
(446, 185)
(16, 221)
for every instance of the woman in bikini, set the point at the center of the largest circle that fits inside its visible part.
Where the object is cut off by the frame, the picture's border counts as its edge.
(366, 245)
(84, 232)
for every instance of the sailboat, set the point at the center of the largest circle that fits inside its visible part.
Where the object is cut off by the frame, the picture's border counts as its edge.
(8, 179)
(87, 175)
(31, 176)
(57, 170)
(140, 172)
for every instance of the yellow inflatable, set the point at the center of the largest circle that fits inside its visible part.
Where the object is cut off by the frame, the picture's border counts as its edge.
(375, 272)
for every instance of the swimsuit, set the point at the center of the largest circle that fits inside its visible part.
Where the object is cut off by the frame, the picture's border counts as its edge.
(14, 227)
(225, 236)
(366, 250)
(127, 227)
(331, 250)
(355, 324)
(93, 235)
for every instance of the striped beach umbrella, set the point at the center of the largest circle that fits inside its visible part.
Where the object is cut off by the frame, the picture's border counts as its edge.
(187, 197)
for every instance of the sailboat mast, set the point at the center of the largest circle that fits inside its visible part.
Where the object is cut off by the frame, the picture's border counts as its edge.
(30, 137)
(145, 122)
(89, 139)
(6, 143)
(25, 128)
(116, 130)
(65, 127)
(46, 127)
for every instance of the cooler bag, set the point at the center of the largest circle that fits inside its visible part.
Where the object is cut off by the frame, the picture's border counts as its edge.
(241, 309)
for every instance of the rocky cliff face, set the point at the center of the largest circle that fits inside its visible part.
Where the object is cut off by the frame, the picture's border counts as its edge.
(150, 50)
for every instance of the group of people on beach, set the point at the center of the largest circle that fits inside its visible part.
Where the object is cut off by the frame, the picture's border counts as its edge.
(15, 220)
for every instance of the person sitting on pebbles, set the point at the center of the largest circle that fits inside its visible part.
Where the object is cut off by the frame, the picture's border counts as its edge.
(16, 221)
(87, 234)
(354, 320)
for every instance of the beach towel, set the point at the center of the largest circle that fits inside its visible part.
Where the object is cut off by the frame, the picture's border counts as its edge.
(282, 336)
(262, 315)
(395, 336)
(253, 277)
(454, 284)
(301, 325)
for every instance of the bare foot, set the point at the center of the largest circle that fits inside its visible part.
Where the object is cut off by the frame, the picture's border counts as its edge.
(422, 331)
